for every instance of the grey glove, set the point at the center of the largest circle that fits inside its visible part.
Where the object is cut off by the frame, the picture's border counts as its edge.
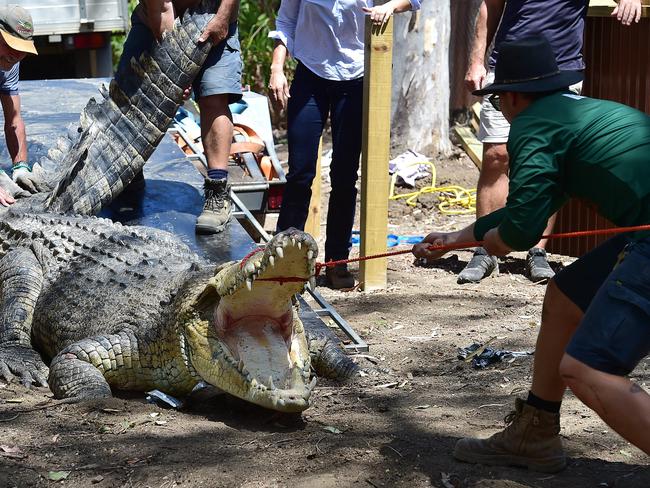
(28, 179)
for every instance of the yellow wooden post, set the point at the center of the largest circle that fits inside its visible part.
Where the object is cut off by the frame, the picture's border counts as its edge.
(375, 151)
(312, 225)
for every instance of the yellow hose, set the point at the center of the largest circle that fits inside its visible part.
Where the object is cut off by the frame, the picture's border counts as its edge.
(454, 199)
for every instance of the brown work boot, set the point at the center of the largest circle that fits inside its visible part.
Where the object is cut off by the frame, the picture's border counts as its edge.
(217, 208)
(338, 277)
(531, 439)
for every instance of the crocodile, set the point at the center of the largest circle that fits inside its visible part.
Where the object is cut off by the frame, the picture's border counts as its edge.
(112, 307)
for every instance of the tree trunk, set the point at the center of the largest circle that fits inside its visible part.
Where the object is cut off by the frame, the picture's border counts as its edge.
(420, 109)
(463, 19)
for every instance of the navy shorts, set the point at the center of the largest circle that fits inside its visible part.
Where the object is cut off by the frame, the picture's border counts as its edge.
(611, 284)
(221, 72)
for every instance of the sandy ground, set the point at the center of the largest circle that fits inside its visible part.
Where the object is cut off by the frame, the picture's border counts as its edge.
(394, 427)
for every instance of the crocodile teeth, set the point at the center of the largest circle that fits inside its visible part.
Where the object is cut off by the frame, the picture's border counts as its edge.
(240, 365)
(271, 260)
(279, 251)
(310, 254)
(250, 267)
(312, 283)
(271, 385)
(296, 377)
(312, 383)
(249, 284)
(299, 244)
(293, 241)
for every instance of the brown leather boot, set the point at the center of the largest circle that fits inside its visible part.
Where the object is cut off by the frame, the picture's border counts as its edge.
(338, 277)
(531, 439)
(217, 208)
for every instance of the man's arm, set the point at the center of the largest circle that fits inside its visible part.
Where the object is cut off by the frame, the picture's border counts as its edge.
(278, 84)
(14, 128)
(217, 28)
(627, 11)
(442, 239)
(285, 29)
(159, 16)
(16, 143)
(381, 13)
(487, 21)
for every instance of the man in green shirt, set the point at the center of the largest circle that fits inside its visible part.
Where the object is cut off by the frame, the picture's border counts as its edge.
(596, 311)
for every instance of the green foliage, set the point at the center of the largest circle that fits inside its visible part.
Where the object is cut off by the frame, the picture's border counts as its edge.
(256, 20)
(117, 39)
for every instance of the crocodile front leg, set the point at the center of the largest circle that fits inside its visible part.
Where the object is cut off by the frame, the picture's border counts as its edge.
(21, 280)
(87, 369)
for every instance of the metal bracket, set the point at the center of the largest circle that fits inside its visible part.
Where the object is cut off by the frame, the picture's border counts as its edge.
(358, 344)
(83, 13)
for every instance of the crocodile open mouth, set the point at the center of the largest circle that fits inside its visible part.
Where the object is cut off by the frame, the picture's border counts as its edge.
(260, 334)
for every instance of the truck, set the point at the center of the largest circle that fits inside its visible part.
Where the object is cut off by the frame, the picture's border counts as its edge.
(73, 37)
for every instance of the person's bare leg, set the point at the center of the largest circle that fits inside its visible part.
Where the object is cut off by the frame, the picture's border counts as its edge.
(623, 405)
(492, 187)
(548, 230)
(217, 132)
(560, 319)
(491, 192)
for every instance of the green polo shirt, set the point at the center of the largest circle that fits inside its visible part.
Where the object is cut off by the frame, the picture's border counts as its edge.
(565, 145)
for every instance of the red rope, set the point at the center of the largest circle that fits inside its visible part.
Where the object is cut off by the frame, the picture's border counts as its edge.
(449, 247)
(465, 245)
(245, 258)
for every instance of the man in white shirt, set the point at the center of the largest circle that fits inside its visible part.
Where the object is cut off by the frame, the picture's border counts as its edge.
(327, 40)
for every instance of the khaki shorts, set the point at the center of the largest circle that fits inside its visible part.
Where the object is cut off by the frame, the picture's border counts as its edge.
(494, 128)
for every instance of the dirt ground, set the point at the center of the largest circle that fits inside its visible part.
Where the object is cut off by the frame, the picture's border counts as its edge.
(396, 426)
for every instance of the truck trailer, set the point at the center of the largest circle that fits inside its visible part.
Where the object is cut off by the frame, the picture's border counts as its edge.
(73, 37)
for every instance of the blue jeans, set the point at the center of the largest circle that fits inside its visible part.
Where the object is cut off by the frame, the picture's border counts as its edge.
(312, 99)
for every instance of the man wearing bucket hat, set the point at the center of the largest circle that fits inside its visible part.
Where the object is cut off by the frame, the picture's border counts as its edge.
(16, 30)
(562, 23)
(596, 311)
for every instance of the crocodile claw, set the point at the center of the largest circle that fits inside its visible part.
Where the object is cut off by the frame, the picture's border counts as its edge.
(24, 363)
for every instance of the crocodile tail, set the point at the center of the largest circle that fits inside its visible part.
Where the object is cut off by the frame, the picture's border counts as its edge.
(118, 135)
(330, 361)
(328, 358)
